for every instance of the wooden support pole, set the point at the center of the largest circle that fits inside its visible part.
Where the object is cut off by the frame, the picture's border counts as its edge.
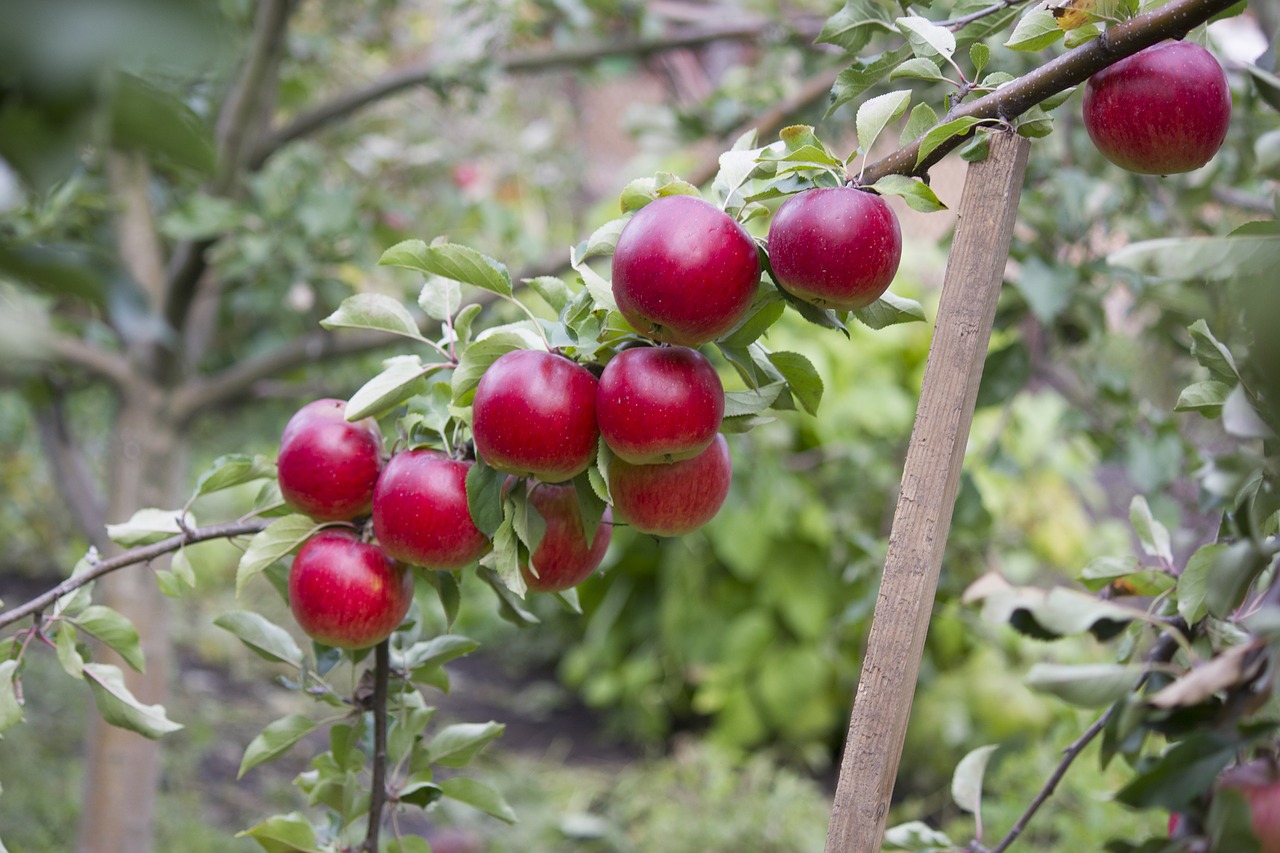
(930, 480)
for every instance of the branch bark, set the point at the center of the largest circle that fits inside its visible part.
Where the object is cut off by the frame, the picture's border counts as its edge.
(132, 557)
(70, 472)
(1173, 20)
(105, 364)
(378, 785)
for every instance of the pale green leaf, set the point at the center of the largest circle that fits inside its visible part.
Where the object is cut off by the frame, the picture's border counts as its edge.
(275, 740)
(943, 132)
(375, 311)
(478, 795)
(288, 833)
(889, 310)
(275, 542)
(916, 835)
(119, 707)
(265, 638)
(979, 55)
(1206, 397)
(1193, 583)
(1037, 30)
(918, 68)
(752, 401)
(918, 123)
(917, 194)
(863, 74)
(966, 781)
(148, 526)
(1153, 535)
(401, 378)
(926, 37)
(1090, 685)
(10, 709)
(802, 377)
(440, 298)
(877, 112)
(456, 745)
(452, 261)
(113, 630)
(854, 25)
(69, 657)
(234, 469)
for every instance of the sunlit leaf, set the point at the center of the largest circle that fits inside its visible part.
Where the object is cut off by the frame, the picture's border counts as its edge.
(275, 740)
(375, 311)
(119, 707)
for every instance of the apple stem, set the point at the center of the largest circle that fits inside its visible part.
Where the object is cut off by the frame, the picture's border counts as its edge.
(378, 792)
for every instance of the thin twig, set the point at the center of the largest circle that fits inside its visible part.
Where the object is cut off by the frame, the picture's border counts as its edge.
(132, 557)
(378, 794)
(957, 24)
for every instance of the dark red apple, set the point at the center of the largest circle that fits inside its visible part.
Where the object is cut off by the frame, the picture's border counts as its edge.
(534, 415)
(835, 247)
(684, 271)
(1259, 783)
(1162, 110)
(327, 466)
(659, 404)
(674, 498)
(420, 512)
(563, 559)
(347, 593)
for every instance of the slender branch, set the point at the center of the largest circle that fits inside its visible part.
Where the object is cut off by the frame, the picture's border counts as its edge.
(104, 363)
(132, 557)
(378, 793)
(70, 472)
(1068, 757)
(434, 73)
(236, 127)
(957, 24)
(1172, 20)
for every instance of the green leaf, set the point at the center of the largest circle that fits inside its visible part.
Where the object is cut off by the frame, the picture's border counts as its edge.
(504, 559)
(979, 55)
(854, 25)
(926, 37)
(918, 68)
(917, 194)
(452, 261)
(484, 496)
(752, 401)
(1248, 257)
(150, 119)
(802, 377)
(1037, 30)
(440, 298)
(456, 745)
(278, 540)
(1153, 536)
(436, 651)
(600, 244)
(1234, 570)
(966, 782)
(1183, 772)
(1091, 685)
(275, 740)
(510, 607)
(1212, 354)
(591, 507)
(1206, 397)
(478, 795)
(401, 378)
(477, 358)
(120, 708)
(265, 638)
(446, 586)
(1193, 583)
(918, 123)
(10, 709)
(863, 74)
(375, 311)
(68, 655)
(1080, 35)
(1046, 614)
(889, 310)
(1229, 822)
(234, 469)
(877, 112)
(288, 833)
(148, 526)
(115, 631)
(408, 844)
(526, 521)
(944, 132)
(554, 291)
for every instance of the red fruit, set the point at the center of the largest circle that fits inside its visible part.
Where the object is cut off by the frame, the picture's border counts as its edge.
(563, 559)
(534, 415)
(675, 498)
(420, 512)
(659, 404)
(1162, 110)
(684, 271)
(835, 247)
(1259, 783)
(327, 466)
(347, 593)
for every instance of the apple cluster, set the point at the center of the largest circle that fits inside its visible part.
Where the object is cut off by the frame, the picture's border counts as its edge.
(638, 427)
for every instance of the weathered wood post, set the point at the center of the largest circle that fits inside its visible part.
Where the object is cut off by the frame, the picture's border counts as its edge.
(930, 480)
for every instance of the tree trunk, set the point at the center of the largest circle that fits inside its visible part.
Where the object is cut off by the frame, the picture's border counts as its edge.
(122, 769)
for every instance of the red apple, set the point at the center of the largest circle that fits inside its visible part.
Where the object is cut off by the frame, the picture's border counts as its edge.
(1259, 783)
(420, 512)
(347, 593)
(563, 559)
(675, 498)
(1162, 110)
(835, 247)
(534, 415)
(659, 404)
(684, 271)
(327, 466)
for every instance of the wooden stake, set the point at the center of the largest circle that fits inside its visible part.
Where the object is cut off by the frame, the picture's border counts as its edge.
(930, 480)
